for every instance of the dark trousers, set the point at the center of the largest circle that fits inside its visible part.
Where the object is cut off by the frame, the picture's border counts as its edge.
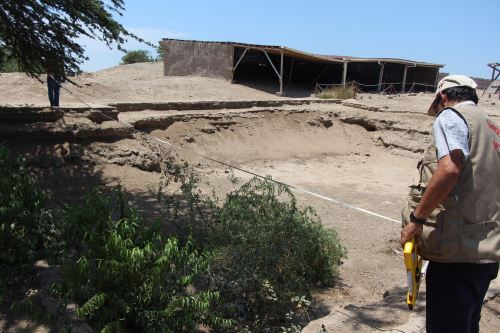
(455, 294)
(54, 88)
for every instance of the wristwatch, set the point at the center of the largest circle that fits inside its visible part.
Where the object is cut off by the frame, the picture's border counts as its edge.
(416, 220)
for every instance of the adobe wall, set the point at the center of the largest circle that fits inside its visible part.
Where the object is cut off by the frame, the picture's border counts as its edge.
(189, 58)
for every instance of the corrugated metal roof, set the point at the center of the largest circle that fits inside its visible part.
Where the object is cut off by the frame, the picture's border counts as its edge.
(274, 49)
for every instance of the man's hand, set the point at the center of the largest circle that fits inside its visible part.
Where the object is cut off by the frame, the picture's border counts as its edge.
(409, 231)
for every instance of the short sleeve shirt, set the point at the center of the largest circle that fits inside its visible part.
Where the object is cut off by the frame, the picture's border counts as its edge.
(451, 132)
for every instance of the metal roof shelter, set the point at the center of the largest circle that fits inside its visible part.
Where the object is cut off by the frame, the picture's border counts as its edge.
(240, 61)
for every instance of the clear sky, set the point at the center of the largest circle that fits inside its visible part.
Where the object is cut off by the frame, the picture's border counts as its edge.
(458, 33)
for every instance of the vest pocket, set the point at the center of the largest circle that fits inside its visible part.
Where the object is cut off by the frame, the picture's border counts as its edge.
(450, 221)
(480, 241)
(430, 241)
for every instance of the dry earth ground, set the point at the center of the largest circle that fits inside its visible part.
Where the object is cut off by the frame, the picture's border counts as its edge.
(362, 157)
(128, 83)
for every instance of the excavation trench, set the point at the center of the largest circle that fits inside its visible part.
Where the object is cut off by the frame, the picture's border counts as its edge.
(332, 152)
(362, 158)
(342, 153)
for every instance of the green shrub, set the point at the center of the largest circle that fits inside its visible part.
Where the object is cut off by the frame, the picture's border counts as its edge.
(263, 255)
(8, 64)
(126, 277)
(338, 92)
(270, 253)
(132, 57)
(25, 224)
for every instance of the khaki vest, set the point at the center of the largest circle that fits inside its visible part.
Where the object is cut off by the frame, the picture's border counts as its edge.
(466, 226)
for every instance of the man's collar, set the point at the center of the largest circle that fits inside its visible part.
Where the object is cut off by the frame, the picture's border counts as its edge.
(464, 104)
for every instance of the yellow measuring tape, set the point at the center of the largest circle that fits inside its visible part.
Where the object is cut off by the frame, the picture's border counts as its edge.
(413, 263)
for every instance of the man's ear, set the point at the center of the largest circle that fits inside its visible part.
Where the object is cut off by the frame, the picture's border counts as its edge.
(442, 101)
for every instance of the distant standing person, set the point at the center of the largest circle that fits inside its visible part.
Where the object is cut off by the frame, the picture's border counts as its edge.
(55, 76)
(453, 209)
(54, 88)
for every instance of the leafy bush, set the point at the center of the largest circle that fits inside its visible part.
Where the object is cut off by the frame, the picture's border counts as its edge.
(127, 278)
(132, 57)
(270, 253)
(338, 92)
(25, 224)
(263, 255)
(8, 63)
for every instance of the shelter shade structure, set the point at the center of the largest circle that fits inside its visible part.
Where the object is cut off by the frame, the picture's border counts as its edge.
(279, 67)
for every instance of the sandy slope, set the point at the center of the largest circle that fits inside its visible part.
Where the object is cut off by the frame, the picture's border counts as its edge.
(125, 83)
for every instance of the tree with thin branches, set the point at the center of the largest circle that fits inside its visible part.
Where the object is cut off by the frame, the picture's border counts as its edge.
(44, 35)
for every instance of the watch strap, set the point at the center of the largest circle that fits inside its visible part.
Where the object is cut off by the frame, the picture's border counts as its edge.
(414, 219)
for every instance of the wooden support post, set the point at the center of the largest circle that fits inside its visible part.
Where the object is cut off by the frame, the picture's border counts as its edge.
(281, 73)
(437, 78)
(493, 76)
(344, 74)
(404, 79)
(380, 76)
(240, 59)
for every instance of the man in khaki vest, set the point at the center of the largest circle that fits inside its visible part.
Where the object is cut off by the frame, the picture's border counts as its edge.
(453, 208)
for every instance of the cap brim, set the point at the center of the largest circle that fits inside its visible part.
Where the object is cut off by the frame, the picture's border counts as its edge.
(434, 108)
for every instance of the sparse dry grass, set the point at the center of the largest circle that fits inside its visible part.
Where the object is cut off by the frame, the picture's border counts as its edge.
(338, 92)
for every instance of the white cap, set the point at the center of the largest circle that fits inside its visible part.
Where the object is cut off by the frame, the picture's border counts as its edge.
(455, 81)
(450, 81)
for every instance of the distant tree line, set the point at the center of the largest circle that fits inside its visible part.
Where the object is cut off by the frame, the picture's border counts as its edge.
(136, 56)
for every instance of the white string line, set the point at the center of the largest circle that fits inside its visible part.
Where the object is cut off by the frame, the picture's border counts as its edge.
(344, 204)
(297, 188)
